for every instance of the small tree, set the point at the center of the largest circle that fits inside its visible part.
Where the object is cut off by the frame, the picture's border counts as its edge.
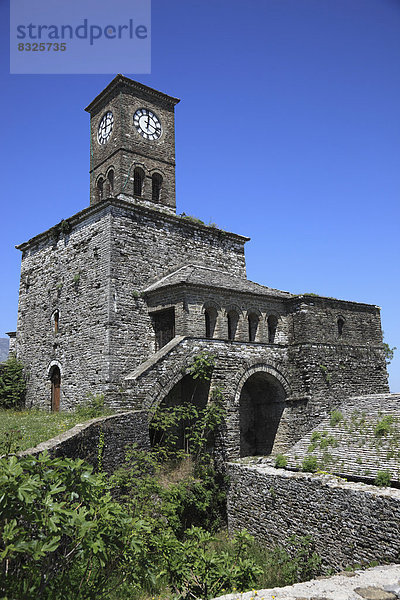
(12, 384)
(389, 352)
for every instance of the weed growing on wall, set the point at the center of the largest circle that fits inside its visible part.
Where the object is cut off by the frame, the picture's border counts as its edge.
(336, 418)
(383, 478)
(309, 464)
(280, 461)
(384, 426)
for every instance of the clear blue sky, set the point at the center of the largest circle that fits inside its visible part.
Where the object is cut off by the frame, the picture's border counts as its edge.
(288, 131)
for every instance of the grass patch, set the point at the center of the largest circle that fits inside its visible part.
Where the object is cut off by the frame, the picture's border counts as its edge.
(23, 429)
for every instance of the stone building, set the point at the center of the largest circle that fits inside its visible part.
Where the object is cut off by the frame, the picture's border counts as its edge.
(119, 298)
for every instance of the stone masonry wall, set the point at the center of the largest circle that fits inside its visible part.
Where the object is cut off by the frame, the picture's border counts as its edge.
(349, 522)
(235, 362)
(314, 319)
(92, 270)
(147, 246)
(126, 148)
(115, 432)
(190, 320)
(66, 270)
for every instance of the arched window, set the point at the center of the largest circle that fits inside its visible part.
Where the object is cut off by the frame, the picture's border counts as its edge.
(253, 326)
(272, 323)
(340, 325)
(233, 319)
(99, 189)
(210, 315)
(138, 180)
(56, 321)
(110, 177)
(156, 182)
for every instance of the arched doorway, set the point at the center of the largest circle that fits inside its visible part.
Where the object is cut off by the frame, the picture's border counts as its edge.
(188, 392)
(55, 378)
(262, 402)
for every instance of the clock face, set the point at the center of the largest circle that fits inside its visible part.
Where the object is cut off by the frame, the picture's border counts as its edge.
(147, 124)
(105, 128)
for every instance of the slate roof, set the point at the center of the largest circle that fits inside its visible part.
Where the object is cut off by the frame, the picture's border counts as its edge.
(353, 446)
(198, 275)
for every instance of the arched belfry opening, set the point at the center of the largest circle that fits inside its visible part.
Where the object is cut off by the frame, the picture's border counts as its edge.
(262, 402)
(138, 181)
(55, 378)
(188, 393)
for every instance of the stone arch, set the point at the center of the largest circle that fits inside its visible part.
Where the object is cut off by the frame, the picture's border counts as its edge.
(183, 391)
(233, 307)
(265, 368)
(261, 397)
(164, 384)
(211, 304)
(54, 363)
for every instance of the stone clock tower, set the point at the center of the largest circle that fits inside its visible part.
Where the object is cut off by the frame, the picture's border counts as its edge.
(132, 153)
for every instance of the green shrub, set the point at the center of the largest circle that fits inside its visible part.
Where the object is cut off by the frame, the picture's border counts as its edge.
(12, 384)
(336, 418)
(309, 464)
(61, 534)
(383, 479)
(280, 461)
(384, 426)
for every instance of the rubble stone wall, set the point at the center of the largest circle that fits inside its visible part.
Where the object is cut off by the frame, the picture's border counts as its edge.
(349, 522)
(108, 437)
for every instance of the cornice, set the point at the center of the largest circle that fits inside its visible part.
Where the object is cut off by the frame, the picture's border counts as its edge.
(120, 81)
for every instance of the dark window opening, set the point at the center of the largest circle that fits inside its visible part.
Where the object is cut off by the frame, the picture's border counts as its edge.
(233, 319)
(56, 321)
(211, 320)
(138, 180)
(110, 177)
(272, 322)
(156, 187)
(340, 325)
(253, 327)
(99, 189)
(164, 327)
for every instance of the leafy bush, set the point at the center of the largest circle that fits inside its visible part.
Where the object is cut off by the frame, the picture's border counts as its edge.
(309, 464)
(61, 534)
(280, 461)
(383, 479)
(384, 426)
(12, 384)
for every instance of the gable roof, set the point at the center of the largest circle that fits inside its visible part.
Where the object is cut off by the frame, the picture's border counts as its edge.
(198, 275)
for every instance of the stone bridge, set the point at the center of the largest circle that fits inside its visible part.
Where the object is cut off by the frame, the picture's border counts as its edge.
(261, 412)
